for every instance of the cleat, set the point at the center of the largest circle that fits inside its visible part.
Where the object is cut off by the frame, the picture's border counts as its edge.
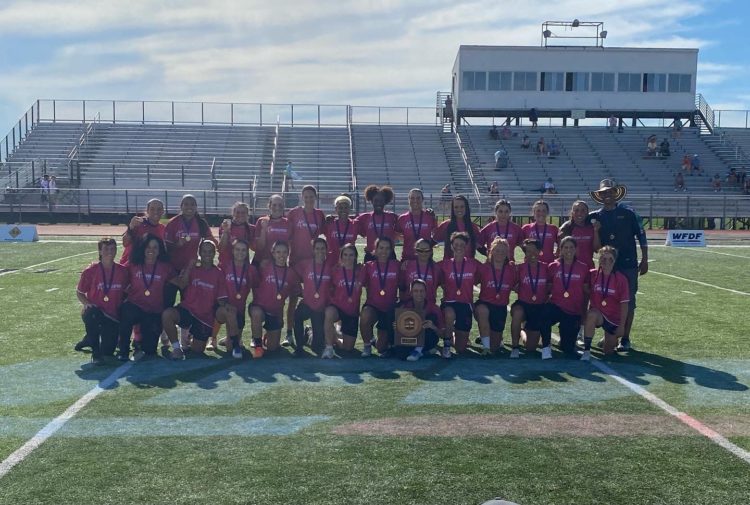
(624, 346)
(446, 353)
(367, 351)
(434, 351)
(223, 342)
(211, 345)
(138, 355)
(328, 353)
(258, 352)
(122, 356)
(586, 356)
(287, 342)
(237, 352)
(414, 356)
(97, 360)
(600, 343)
(478, 341)
(484, 351)
(515, 353)
(177, 354)
(82, 344)
(546, 353)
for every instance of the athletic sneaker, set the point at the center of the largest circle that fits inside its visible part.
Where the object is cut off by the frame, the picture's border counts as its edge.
(546, 353)
(122, 356)
(580, 342)
(478, 341)
(138, 355)
(600, 343)
(97, 360)
(328, 353)
(82, 344)
(414, 356)
(211, 345)
(484, 351)
(258, 352)
(287, 339)
(237, 352)
(223, 342)
(586, 356)
(515, 353)
(624, 346)
(447, 353)
(434, 351)
(367, 351)
(177, 354)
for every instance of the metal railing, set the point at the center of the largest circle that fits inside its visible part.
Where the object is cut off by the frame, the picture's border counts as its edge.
(469, 170)
(707, 114)
(19, 132)
(351, 158)
(275, 152)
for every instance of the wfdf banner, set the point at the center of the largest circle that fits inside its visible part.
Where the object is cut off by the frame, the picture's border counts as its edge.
(686, 238)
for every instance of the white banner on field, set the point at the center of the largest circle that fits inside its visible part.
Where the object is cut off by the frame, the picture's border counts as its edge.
(18, 233)
(686, 238)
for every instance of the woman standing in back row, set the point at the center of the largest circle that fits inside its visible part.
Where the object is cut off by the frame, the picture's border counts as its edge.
(379, 223)
(543, 232)
(415, 224)
(460, 221)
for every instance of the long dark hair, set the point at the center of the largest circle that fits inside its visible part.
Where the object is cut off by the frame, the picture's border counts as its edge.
(453, 225)
(203, 227)
(138, 257)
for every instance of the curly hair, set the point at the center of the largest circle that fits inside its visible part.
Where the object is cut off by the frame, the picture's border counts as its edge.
(372, 190)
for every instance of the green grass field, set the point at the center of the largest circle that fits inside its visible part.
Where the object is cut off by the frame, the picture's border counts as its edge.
(370, 431)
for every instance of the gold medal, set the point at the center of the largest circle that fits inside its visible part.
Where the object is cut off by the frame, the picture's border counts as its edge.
(147, 293)
(533, 298)
(604, 303)
(497, 296)
(187, 238)
(106, 298)
(238, 296)
(541, 253)
(382, 292)
(612, 237)
(458, 292)
(350, 300)
(316, 295)
(278, 297)
(566, 294)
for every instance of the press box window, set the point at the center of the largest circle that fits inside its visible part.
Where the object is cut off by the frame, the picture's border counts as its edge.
(499, 81)
(475, 81)
(628, 82)
(655, 83)
(524, 81)
(680, 83)
(577, 81)
(601, 81)
(552, 81)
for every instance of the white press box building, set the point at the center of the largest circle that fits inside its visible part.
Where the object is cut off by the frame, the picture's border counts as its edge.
(574, 82)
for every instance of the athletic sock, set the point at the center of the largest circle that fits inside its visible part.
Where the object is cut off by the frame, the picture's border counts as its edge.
(176, 344)
(418, 348)
(587, 343)
(447, 343)
(485, 342)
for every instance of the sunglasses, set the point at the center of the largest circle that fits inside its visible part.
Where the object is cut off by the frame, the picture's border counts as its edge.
(423, 250)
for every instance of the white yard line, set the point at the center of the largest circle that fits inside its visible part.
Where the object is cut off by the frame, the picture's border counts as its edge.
(50, 290)
(708, 251)
(700, 283)
(46, 263)
(689, 292)
(53, 426)
(68, 241)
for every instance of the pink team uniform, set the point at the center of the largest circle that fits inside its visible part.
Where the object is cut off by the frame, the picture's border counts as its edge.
(151, 278)
(315, 279)
(278, 229)
(439, 235)
(385, 278)
(412, 228)
(239, 280)
(347, 289)
(205, 288)
(96, 283)
(546, 234)
(177, 228)
(339, 233)
(532, 282)
(607, 293)
(272, 282)
(431, 274)
(139, 234)
(496, 283)
(236, 231)
(303, 228)
(509, 231)
(459, 277)
(584, 236)
(373, 226)
(575, 276)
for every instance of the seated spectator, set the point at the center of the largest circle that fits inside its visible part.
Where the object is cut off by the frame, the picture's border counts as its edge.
(741, 175)
(548, 188)
(679, 182)
(493, 133)
(732, 177)
(525, 143)
(746, 187)
(541, 147)
(651, 146)
(677, 128)
(695, 165)
(507, 133)
(553, 148)
(494, 189)
(501, 159)
(612, 121)
(664, 151)
(716, 183)
(687, 163)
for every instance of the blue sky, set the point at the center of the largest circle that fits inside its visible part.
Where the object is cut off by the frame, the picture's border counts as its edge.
(388, 52)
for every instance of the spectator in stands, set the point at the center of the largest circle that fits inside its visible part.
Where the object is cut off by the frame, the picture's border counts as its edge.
(687, 163)
(541, 147)
(612, 122)
(679, 182)
(553, 149)
(525, 142)
(445, 199)
(52, 191)
(507, 133)
(677, 128)
(501, 159)
(664, 151)
(732, 177)
(44, 184)
(533, 118)
(548, 188)
(494, 189)
(448, 109)
(716, 183)
(695, 165)
(651, 146)
(493, 133)
(290, 175)
(746, 186)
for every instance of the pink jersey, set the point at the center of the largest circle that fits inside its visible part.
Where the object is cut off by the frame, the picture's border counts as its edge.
(139, 234)
(584, 236)
(533, 282)
(429, 311)
(569, 279)
(244, 232)
(509, 231)
(607, 293)
(430, 273)
(347, 289)
(278, 229)
(274, 285)
(373, 226)
(546, 234)
(412, 228)
(303, 228)
(496, 283)
(205, 288)
(381, 282)
(239, 280)
(316, 279)
(339, 233)
(440, 235)
(459, 279)
(105, 287)
(149, 279)
(181, 255)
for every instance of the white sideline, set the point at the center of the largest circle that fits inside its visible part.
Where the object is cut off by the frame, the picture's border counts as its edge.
(700, 283)
(46, 263)
(53, 426)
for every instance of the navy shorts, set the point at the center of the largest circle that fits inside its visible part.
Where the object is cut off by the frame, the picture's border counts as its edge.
(533, 313)
(632, 276)
(198, 329)
(271, 322)
(464, 314)
(385, 319)
(608, 327)
(349, 324)
(241, 319)
(498, 315)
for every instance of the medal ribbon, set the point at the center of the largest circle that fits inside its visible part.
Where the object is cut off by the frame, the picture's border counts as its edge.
(318, 280)
(187, 226)
(238, 282)
(342, 238)
(349, 287)
(604, 289)
(534, 283)
(543, 236)
(307, 222)
(375, 225)
(279, 287)
(570, 273)
(383, 278)
(147, 283)
(426, 270)
(414, 230)
(498, 285)
(459, 279)
(106, 287)
(507, 230)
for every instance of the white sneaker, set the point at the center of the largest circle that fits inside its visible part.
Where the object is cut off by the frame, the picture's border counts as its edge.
(515, 353)
(328, 353)
(287, 342)
(414, 356)
(237, 352)
(367, 351)
(447, 353)
(546, 353)
(586, 356)
(164, 340)
(600, 343)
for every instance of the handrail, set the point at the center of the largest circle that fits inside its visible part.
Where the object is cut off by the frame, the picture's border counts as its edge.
(16, 139)
(351, 158)
(275, 149)
(469, 170)
(706, 113)
(213, 173)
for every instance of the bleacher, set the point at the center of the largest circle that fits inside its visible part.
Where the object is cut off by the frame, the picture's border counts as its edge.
(321, 156)
(50, 142)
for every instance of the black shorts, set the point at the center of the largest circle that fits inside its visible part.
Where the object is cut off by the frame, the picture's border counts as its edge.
(349, 324)
(607, 326)
(632, 275)
(533, 313)
(569, 324)
(385, 319)
(198, 329)
(271, 322)
(498, 315)
(464, 314)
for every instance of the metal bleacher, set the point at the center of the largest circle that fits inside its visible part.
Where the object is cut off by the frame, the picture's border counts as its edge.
(321, 156)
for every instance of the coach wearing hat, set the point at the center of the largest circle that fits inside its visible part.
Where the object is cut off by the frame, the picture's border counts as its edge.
(620, 226)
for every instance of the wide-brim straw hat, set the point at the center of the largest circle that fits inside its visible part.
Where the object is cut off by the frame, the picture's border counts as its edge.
(606, 185)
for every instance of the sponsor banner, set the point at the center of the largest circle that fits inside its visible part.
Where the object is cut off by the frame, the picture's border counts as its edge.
(686, 238)
(18, 233)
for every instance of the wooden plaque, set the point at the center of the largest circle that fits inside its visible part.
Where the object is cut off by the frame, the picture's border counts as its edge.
(409, 331)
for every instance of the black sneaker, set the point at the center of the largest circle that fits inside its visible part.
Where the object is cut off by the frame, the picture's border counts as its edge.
(123, 356)
(388, 353)
(624, 346)
(82, 344)
(97, 360)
